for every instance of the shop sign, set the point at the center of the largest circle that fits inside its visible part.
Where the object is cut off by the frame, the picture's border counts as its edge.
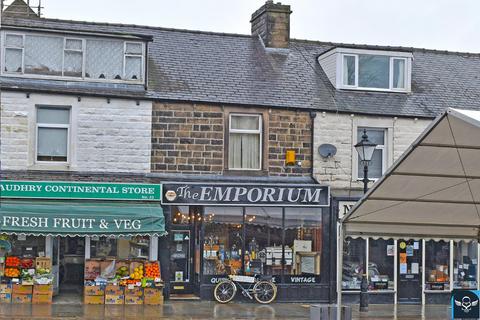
(344, 207)
(302, 279)
(242, 194)
(291, 279)
(79, 190)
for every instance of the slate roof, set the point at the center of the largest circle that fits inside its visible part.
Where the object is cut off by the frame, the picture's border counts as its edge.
(236, 69)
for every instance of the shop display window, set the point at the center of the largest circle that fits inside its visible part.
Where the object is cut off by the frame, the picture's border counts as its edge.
(437, 260)
(120, 248)
(222, 248)
(28, 246)
(465, 264)
(303, 238)
(263, 246)
(381, 256)
(354, 256)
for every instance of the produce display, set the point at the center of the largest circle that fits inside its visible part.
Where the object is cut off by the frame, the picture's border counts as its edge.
(12, 262)
(137, 273)
(152, 270)
(12, 272)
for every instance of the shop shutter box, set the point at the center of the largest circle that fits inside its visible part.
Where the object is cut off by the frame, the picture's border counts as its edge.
(5, 288)
(5, 297)
(274, 256)
(113, 290)
(21, 298)
(21, 289)
(114, 299)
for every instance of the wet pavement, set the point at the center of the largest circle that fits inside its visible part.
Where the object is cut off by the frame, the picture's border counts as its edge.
(209, 310)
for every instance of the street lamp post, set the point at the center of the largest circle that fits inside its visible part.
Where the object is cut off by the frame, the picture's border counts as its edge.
(365, 149)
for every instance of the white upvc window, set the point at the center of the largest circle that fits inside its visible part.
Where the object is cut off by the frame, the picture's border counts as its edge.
(245, 142)
(52, 134)
(13, 53)
(73, 53)
(37, 55)
(378, 164)
(374, 72)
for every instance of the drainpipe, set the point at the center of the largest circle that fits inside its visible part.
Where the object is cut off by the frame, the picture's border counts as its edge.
(313, 115)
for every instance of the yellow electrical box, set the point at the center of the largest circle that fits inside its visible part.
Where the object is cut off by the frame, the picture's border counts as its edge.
(290, 158)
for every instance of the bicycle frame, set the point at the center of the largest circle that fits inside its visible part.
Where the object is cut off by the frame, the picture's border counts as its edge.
(245, 291)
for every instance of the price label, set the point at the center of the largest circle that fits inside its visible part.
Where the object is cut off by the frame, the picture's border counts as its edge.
(130, 286)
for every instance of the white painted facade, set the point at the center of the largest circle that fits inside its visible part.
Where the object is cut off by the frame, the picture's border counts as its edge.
(104, 136)
(340, 171)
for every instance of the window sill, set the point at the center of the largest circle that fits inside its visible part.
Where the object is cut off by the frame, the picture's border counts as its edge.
(50, 167)
(379, 90)
(245, 172)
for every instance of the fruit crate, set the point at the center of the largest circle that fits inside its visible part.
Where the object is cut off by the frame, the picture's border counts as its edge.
(43, 263)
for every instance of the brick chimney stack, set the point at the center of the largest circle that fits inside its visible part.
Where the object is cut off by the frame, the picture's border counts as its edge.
(272, 23)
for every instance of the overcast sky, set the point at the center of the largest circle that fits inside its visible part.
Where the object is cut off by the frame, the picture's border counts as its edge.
(438, 24)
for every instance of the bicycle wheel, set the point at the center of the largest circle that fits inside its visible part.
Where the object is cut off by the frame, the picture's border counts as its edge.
(225, 291)
(265, 291)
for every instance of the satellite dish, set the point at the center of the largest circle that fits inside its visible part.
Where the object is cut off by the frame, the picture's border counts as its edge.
(327, 150)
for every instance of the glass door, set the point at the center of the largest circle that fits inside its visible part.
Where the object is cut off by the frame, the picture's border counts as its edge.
(180, 261)
(409, 271)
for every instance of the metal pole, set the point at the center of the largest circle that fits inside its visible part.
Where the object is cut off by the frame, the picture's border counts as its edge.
(282, 273)
(244, 234)
(339, 269)
(365, 177)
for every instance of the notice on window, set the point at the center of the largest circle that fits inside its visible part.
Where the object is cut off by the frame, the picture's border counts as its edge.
(403, 258)
(390, 250)
(403, 268)
(409, 250)
(415, 268)
(416, 246)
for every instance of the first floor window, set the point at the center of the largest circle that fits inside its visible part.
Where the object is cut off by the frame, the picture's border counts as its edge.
(245, 141)
(52, 134)
(377, 165)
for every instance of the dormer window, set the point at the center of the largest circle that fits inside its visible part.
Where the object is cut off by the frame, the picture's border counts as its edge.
(360, 69)
(88, 58)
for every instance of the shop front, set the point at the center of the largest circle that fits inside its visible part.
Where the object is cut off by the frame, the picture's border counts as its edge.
(219, 229)
(90, 242)
(402, 270)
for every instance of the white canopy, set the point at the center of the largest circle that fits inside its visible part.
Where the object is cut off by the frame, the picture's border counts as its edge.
(432, 191)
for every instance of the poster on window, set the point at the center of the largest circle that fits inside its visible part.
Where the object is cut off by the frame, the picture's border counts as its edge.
(409, 251)
(403, 268)
(390, 250)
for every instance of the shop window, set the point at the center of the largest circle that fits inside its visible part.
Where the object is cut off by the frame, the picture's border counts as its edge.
(264, 241)
(381, 255)
(27, 246)
(53, 125)
(181, 215)
(354, 256)
(377, 166)
(222, 247)
(303, 241)
(437, 260)
(245, 142)
(120, 248)
(465, 264)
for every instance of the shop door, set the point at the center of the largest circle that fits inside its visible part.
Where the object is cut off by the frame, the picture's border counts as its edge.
(181, 261)
(409, 271)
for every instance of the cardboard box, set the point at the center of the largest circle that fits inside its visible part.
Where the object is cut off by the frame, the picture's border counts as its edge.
(113, 290)
(42, 289)
(93, 291)
(133, 300)
(42, 298)
(21, 289)
(5, 297)
(43, 263)
(21, 298)
(114, 299)
(134, 292)
(152, 292)
(93, 299)
(92, 269)
(153, 300)
(6, 288)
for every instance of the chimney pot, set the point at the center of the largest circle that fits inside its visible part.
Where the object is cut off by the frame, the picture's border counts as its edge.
(272, 23)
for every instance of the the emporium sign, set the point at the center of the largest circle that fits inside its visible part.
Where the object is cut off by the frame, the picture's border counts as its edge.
(79, 190)
(246, 194)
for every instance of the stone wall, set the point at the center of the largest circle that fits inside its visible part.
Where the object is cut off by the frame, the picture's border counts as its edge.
(105, 136)
(190, 138)
(340, 130)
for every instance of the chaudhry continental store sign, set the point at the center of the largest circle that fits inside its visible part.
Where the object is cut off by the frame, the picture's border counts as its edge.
(79, 190)
(294, 195)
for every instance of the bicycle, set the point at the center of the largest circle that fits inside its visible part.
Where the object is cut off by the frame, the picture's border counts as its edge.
(259, 287)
